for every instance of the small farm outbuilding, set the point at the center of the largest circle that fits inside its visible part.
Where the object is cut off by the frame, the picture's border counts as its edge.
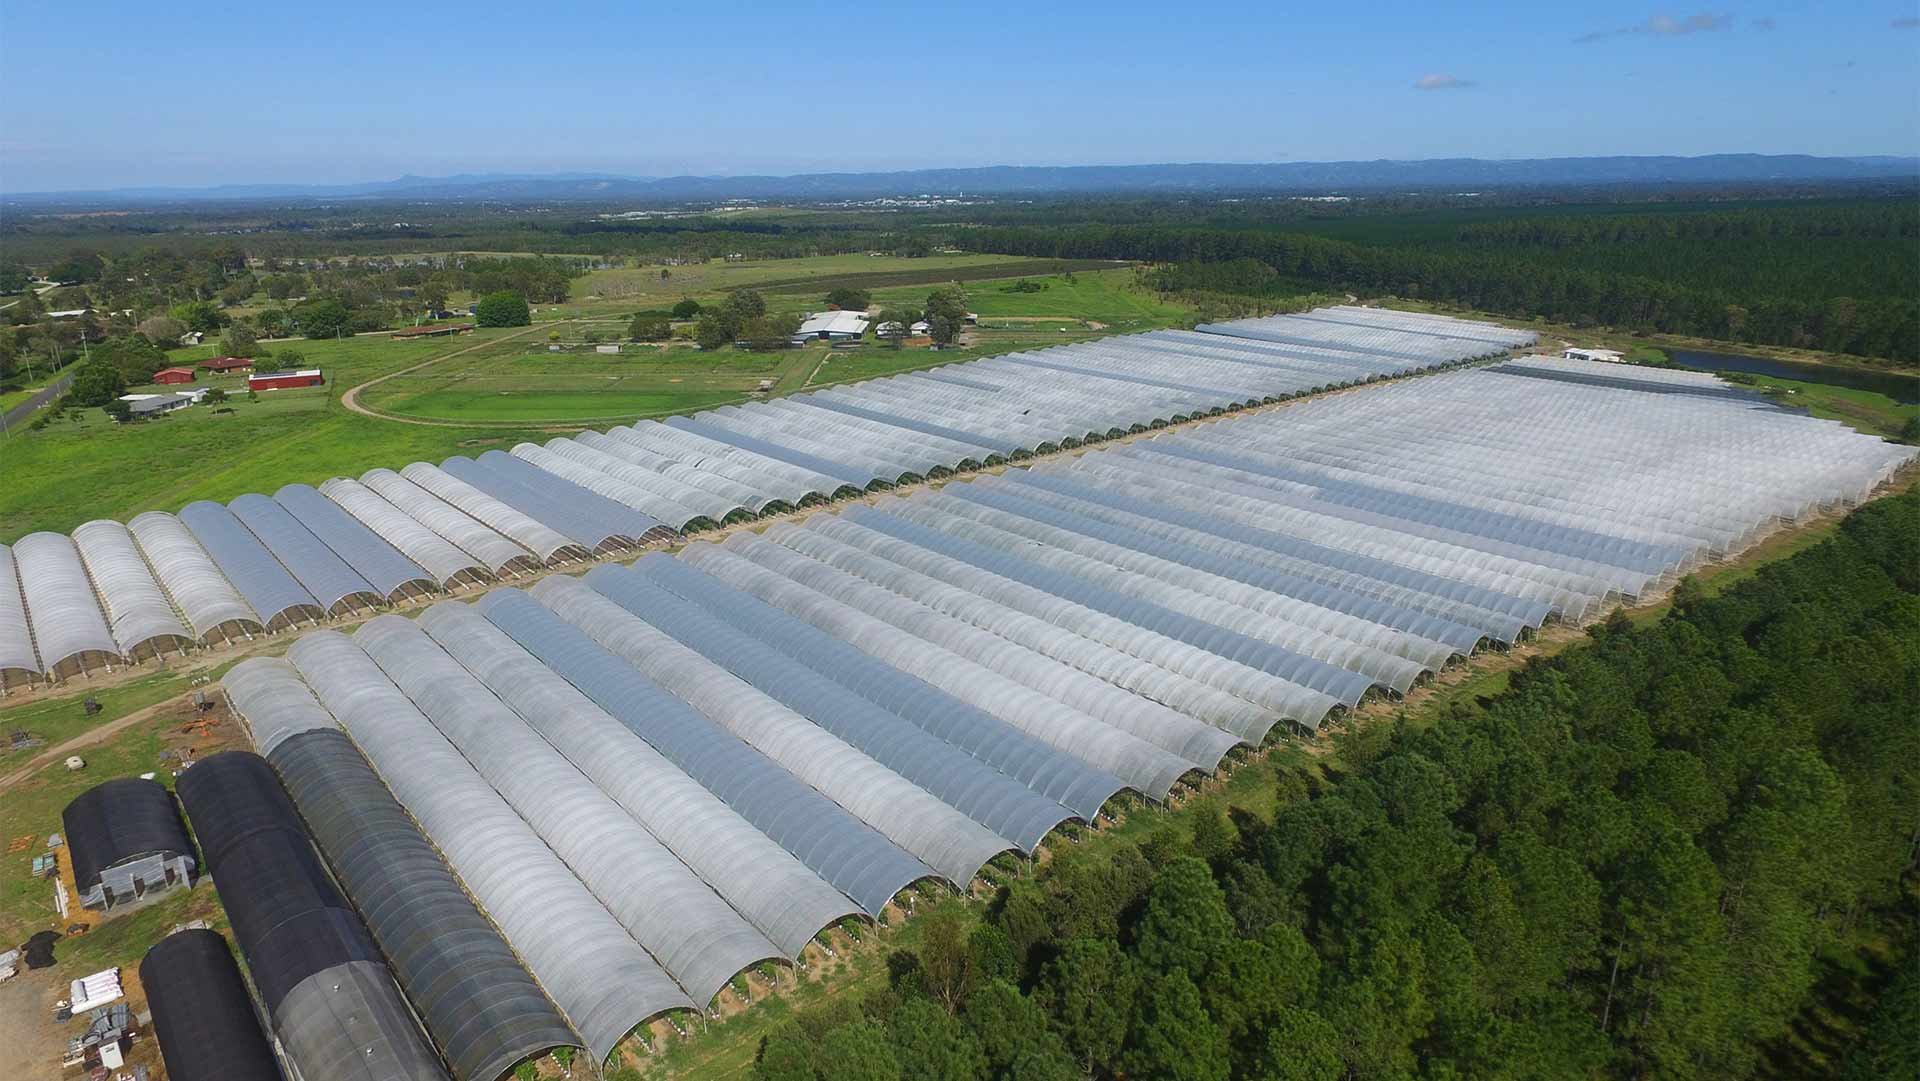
(167, 376)
(228, 364)
(309, 377)
(126, 842)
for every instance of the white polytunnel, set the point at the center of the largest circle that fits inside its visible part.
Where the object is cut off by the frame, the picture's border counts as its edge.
(197, 588)
(272, 592)
(448, 565)
(913, 818)
(1260, 557)
(733, 485)
(1169, 729)
(1049, 771)
(450, 524)
(857, 859)
(1084, 582)
(547, 544)
(1115, 756)
(69, 629)
(142, 619)
(1389, 657)
(332, 582)
(644, 500)
(18, 662)
(601, 979)
(384, 567)
(776, 892)
(1146, 682)
(482, 1009)
(694, 934)
(713, 503)
(1021, 809)
(932, 553)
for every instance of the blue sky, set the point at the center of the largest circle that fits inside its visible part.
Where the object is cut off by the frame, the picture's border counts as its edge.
(193, 94)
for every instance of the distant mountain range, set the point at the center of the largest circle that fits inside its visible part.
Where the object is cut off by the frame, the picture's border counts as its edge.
(1451, 174)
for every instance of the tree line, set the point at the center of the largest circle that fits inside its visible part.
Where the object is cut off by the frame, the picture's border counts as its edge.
(1839, 279)
(1636, 861)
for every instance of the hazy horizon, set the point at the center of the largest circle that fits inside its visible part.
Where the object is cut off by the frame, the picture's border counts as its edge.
(194, 98)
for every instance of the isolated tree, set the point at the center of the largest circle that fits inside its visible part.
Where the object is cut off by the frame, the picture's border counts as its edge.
(120, 411)
(97, 383)
(946, 314)
(162, 330)
(903, 320)
(200, 315)
(849, 299)
(686, 309)
(216, 396)
(289, 358)
(712, 331)
(744, 304)
(238, 341)
(766, 333)
(327, 318)
(503, 309)
(433, 294)
(650, 327)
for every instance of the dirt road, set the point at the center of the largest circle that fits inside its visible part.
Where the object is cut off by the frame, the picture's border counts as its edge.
(89, 738)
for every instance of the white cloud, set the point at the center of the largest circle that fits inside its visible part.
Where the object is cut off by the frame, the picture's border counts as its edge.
(1665, 26)
(1441, 82)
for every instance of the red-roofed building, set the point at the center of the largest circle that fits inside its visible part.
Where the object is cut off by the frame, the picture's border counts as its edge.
(228, 364)
(309, 377)
(174, 375)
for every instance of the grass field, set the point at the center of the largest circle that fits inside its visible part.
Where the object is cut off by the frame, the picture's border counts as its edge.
(505, 386)
(74, 471)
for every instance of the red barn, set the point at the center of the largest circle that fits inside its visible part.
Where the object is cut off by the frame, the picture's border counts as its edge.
(285, 380)
(174, 375)
(228, 364)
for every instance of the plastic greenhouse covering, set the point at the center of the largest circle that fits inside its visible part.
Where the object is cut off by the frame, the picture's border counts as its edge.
(452, 524)
(18, 661)
(195, 585)
(269, 590)
(330, 579)
(857, 859)
(692, 614)
(139, 615)
(941, 836)
(382, 565)
(1122, 758)
(546, 543)
(331, 999)
(203, 1016)
(119, 820)
(68, 626)
(482, 1009)
(689, 929)
(1191, 739)
(447, 564)
(765, 883)
(601, 979)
